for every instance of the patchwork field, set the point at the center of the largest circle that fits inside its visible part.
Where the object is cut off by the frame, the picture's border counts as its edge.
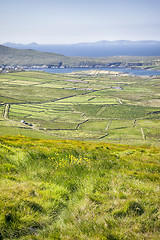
(88, 105)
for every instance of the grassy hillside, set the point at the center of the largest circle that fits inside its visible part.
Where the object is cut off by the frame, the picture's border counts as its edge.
(24, 57)
(12, 56)
(78, 190)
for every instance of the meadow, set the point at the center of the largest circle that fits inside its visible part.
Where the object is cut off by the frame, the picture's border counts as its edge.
(79, 156)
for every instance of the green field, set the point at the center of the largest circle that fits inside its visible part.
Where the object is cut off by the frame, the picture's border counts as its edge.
(91, 105)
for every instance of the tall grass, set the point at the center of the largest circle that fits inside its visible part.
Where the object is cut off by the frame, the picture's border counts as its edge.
(77, 190)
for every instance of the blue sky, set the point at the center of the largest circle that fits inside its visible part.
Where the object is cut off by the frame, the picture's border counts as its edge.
(71, 21)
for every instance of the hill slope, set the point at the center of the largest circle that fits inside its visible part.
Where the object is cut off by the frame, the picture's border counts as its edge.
(77, 190)
(12, 56)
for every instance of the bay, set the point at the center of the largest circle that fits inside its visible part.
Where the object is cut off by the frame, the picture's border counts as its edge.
(140, 72)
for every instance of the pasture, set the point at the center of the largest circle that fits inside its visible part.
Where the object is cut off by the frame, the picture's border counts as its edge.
(87, 105)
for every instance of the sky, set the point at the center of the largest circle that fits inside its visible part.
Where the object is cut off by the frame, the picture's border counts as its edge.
(75, 21)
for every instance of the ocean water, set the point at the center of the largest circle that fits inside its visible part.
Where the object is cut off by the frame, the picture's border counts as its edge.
(125, 70)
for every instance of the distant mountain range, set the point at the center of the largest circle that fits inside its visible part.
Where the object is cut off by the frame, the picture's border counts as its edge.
(96, 49)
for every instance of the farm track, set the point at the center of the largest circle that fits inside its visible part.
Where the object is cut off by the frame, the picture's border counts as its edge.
(108, 126)
(101, 110)
(6, 111)
(120, 101)
(143, 135)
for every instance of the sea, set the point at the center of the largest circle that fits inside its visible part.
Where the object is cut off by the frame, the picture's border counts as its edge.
(136, 72)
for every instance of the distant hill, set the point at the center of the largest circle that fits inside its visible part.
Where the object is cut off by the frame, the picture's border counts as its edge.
(97, 49)
(12, 56)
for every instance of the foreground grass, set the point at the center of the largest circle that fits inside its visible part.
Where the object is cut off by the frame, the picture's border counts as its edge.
(77, 190)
